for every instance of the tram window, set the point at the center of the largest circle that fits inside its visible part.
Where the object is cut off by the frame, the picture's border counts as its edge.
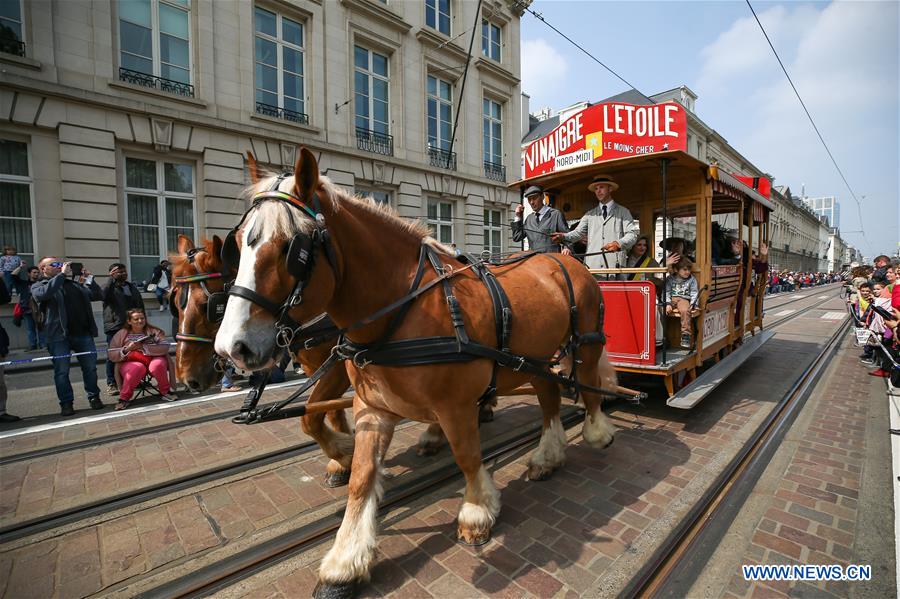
(723, 226)
(679, 227)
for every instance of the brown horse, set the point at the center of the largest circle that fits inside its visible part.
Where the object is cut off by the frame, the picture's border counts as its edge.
(372, 262)
(195, 359)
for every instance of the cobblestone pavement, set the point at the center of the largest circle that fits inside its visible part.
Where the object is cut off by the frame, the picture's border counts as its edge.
(826, 501)
(583, 533)
(589, 529)
(122, 547)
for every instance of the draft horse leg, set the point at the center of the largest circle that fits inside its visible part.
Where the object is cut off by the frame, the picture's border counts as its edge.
(337, 444)
(596, 371)
(481, 501)
(551, 451)
(431, 440)
(348, 561)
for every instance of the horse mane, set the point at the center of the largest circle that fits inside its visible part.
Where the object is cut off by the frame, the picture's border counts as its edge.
(278, 218)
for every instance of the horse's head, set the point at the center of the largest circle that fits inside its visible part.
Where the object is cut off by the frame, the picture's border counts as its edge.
(282, 261)
(198, 301)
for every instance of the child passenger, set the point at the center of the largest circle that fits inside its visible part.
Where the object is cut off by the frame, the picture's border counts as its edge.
(682, 292)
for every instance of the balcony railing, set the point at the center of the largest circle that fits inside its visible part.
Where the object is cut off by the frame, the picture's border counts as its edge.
(442, 158)
(10, 45)
(152, 81)
(494, 171)
(282, 113)
(372, 141)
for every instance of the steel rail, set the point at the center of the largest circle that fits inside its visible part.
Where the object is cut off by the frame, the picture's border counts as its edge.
(104, 506)
(122, 436)
(208, 580)
(125, 435)
(690, 541)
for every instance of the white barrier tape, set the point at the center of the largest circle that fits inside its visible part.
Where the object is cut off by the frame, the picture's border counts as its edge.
(64, 357)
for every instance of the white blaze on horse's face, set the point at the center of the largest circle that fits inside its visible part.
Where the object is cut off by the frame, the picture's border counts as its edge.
(248, 343)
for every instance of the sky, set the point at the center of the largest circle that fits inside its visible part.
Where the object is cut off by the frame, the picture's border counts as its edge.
(842, 56)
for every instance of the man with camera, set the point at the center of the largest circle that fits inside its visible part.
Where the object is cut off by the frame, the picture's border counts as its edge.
(119, 296)
(64, 293)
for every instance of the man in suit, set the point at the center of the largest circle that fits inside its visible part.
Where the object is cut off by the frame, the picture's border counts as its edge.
(540, 224)
(608, 228)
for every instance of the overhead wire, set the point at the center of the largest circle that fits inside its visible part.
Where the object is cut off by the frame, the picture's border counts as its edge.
(541, 18)
(813, 123)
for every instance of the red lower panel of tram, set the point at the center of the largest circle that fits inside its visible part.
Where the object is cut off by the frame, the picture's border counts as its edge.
(630, 323)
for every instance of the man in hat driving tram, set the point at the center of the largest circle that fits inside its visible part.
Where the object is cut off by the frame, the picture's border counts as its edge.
(543, 222)
(607, 228)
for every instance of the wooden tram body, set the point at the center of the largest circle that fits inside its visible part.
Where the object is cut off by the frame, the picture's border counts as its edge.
(658, 188)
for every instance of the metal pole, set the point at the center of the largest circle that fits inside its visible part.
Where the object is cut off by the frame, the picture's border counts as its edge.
(664, 173)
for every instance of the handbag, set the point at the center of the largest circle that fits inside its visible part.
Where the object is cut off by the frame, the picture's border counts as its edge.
(18, 315)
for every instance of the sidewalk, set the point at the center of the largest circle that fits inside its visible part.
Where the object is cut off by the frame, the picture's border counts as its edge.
(19, 343)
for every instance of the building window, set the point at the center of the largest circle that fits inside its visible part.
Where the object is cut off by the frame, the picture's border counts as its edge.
(12, 35)
(440, 113)
(440, 219)
(379, 195)
(370, 86)
(159, 204)
(439, 109)
(492, 119)
(15, 199)
(490, 40)
(279, 66)
(154, 43)
(437, 15)
(493, 231)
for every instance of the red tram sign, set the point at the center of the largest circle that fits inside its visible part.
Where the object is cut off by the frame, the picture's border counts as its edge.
(606, 131)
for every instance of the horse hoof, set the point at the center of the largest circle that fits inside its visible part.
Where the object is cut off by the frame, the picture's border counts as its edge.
(485, 414)
(337, 479)
(472, 539)
(538, 473)
(427, 450)
(335, 590)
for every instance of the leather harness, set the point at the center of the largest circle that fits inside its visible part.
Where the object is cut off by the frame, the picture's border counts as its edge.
(410, 352)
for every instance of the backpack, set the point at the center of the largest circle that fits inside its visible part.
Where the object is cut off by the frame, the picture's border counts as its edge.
(37, 313)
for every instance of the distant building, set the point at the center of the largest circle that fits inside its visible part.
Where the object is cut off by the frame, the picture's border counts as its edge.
(827, 207)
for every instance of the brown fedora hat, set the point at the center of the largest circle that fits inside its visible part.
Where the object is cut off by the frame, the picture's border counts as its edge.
(603, 179)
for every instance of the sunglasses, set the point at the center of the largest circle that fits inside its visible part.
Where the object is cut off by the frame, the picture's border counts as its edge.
(56, 264)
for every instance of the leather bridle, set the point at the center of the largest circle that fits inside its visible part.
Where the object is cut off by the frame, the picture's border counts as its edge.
(301, 256)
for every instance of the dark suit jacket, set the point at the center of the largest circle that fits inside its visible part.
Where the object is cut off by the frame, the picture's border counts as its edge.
(552, 222)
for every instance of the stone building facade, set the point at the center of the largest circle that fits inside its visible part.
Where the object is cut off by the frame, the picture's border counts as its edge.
(123, 124)
(799, 238)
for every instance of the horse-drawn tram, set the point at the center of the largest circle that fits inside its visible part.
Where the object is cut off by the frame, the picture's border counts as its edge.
(680, 205)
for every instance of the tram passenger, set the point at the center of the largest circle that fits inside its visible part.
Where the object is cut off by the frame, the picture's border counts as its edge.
(639, 257)
(140, 348)
(609, 228)
(682, 293)
(676, 249)
(540, 224)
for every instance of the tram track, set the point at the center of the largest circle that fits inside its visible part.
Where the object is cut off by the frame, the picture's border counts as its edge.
(125, 435)
(673, 567)
(215, 577)
(169, 426)
(70, 516)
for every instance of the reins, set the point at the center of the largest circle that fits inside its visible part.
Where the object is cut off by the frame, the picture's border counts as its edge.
(407, 352)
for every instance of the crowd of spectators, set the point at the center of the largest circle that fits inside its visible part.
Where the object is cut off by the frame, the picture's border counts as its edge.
(788, 281)
(53, 300)
(874, 301)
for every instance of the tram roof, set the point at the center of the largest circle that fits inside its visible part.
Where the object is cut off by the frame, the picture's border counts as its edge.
(581, 176)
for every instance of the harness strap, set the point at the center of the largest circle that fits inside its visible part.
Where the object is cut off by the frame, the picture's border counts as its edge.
(273, 411)
(251, 295)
